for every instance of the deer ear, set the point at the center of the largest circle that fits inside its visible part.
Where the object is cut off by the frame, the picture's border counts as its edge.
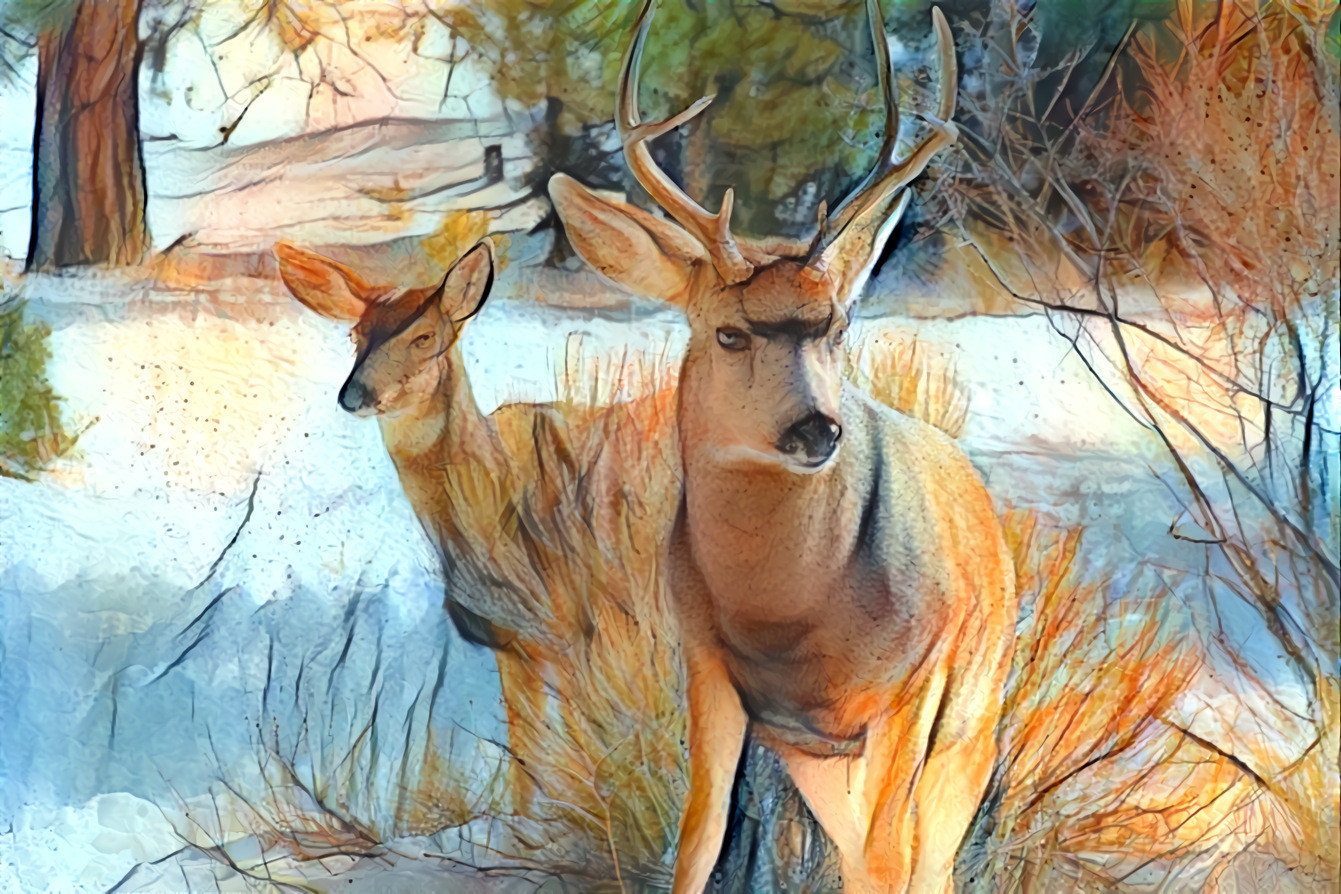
(637, 250)
(468, 283)
(325, 286)
(852, 255)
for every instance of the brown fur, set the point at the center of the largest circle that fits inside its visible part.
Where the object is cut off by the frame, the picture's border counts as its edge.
(550, 519)
(858, 616)
(840, 579)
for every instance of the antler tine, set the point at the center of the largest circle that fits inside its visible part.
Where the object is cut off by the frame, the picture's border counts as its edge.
(890, 174)
(712, 230)
(885, 71)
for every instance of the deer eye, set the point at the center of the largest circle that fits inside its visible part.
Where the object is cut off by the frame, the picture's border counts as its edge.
(732, 339)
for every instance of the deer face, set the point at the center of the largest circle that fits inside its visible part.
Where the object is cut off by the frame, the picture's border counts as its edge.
(403, 337)
(765, 365)
(762, 374)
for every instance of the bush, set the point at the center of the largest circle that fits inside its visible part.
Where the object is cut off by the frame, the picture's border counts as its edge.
(32, 435)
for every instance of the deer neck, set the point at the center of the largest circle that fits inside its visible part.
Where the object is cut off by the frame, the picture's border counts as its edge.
(760, 526)
(446, 427)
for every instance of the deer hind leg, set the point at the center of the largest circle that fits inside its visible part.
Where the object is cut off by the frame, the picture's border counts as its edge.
(522, 681)
(833, 788)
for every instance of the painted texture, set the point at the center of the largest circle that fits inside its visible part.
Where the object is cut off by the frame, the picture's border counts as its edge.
(224, 647)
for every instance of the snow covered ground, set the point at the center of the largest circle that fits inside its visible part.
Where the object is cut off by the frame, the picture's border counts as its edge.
(230, 559)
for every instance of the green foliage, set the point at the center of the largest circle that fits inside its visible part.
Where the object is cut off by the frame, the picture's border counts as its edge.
(1064, 25)
(797, 116)
(795, 86)
(32, 15)
(1333, 39)
(20, 23)
(31, 432)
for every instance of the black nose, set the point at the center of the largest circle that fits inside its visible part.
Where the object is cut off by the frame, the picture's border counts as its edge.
(812, 440)
(354, 397)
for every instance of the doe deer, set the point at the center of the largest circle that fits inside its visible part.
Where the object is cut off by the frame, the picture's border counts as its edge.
(548, 516)
(838, 573)
(409, 372)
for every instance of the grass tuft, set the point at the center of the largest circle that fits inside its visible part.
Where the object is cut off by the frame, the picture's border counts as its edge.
(32, 434)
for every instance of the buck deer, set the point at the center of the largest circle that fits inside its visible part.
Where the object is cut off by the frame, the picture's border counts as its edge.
(838, 573)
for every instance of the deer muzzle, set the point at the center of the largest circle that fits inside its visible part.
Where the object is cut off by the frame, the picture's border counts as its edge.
(356, 398)
(812, 440)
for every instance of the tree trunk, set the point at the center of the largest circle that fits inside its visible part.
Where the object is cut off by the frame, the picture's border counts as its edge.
(88, 174)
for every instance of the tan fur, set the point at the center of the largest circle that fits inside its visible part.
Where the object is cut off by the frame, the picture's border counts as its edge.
(550, 519)
(840, 579)
(858, 616)
(448, 456)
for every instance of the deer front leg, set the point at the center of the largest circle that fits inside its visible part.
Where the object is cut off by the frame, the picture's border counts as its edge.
(962, 745)
(954, 777)
(716, 731)
(893, 752)
(929, 765)
(947, 797)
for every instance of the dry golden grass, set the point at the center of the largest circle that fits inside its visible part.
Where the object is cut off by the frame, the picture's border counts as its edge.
(285, 838)
(1221, 168)
(1089, 773)
(590, 494)
(905, 373)
(1239, 126)
(445, 794)
(1186, 215)
(1093, 670)
(568, 538)
(1092, 782)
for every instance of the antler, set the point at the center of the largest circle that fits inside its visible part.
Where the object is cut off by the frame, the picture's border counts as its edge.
(891, 175)
(712, 230)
